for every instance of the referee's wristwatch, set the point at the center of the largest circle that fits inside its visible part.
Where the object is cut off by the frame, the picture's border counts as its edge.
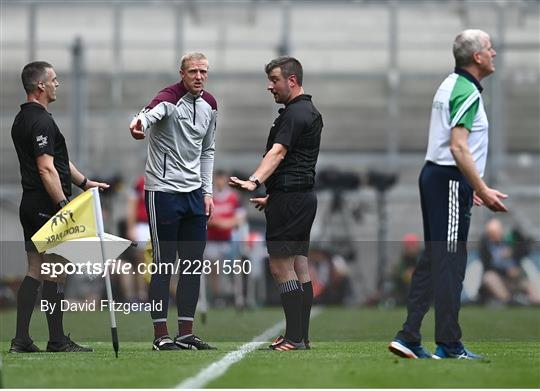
(255, 180)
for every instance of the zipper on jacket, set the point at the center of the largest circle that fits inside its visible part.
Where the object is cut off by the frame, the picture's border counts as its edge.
(164, 165)
(194, 110)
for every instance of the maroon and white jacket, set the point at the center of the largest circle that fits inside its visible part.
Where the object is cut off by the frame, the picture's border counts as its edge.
(181, 129)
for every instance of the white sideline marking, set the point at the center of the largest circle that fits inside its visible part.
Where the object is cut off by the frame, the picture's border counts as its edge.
(218, 368)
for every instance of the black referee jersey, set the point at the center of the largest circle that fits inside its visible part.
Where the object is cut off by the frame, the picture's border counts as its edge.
(298, 128)
(35, 133)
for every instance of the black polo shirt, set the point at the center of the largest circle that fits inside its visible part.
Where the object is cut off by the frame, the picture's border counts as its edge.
(35, 133)
(298, 128)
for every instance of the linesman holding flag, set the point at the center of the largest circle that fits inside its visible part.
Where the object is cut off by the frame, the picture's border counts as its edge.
(46, 178)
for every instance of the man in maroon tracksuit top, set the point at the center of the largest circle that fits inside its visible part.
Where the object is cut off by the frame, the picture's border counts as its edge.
(180, 123)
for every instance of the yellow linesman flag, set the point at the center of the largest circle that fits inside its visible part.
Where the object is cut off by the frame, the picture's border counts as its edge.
(73, 221)
(148, 259)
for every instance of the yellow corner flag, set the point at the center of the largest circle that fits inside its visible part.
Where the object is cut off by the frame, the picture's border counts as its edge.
(73, 221)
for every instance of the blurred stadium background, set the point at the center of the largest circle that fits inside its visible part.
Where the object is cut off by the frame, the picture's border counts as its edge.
(372, 67)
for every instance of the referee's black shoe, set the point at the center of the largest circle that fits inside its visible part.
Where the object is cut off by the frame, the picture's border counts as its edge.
(192, 342)
(20, 346)
(276, 341)
(286, 344)
(66, 345)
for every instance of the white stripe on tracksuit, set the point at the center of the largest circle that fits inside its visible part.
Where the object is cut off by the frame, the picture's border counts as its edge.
(153, 225)
(453, 216)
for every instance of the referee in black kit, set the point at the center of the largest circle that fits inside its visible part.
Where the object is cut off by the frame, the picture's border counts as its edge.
(46, 178)
(288, 171)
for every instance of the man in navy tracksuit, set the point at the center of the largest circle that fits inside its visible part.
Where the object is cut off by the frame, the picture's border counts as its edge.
(450, 182)
(181, 124)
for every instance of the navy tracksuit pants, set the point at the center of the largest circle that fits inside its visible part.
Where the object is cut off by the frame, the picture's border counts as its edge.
(178, 231)
(446, 200)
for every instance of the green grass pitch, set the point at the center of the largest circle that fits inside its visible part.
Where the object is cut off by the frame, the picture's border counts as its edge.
(349, 351)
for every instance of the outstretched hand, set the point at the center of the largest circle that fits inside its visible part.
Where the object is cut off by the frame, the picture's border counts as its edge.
(242, 185)
(135, 127)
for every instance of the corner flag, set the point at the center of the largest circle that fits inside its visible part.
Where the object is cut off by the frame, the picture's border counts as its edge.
(73, 221)
(81, 218)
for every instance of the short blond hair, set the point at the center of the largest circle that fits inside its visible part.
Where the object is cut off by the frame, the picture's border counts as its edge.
(191, 56)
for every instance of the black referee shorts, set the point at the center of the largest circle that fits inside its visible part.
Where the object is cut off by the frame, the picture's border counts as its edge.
(289, 217)
(35, 210)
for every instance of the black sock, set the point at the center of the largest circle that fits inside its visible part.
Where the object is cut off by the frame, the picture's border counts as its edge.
(291, 299)
(158, 292)
(307, 301)
(187, 296)
(26, 300)
(53, 295)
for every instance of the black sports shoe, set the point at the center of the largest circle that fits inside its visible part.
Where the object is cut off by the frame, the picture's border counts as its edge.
(164, 343)
(67, 345)
(19, 346)
(192, 342)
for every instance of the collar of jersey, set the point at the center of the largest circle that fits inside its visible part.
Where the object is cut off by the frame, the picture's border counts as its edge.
(33, 104)
(188, 95)
(298, 98)
(471, 78)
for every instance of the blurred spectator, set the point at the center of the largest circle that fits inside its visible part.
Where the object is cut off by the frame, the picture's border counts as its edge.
(410, 255)
(330, 276)
(133, 285)
(8, 292)
(257, 254)
(228, 211)
(503, 279)
(520, 244)
(224, 240)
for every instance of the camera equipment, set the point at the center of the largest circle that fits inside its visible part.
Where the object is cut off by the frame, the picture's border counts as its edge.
(338, 182)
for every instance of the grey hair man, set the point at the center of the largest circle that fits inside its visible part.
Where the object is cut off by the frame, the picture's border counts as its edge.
(450, 184)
